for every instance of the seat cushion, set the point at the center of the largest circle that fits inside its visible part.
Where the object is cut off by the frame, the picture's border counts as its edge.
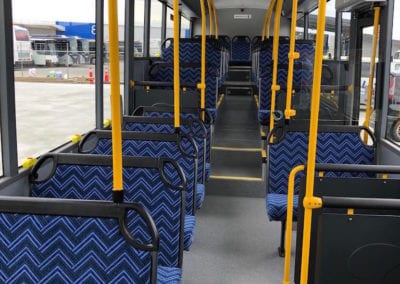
(200, 195)
(170, 275)
(190, 224)
(277, 206)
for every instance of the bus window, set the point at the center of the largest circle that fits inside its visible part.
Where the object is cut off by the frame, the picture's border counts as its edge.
(22, 45)
(185, 27)
(155, 28)
(393, 112)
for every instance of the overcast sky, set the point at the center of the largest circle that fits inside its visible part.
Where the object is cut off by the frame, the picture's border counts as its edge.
(84, 11)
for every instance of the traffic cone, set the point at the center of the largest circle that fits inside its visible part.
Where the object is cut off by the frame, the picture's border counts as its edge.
(106, 76)
(90, 75)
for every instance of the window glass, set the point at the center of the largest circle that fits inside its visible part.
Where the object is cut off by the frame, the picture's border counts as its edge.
(155, 28)
(393, 114)
(170, 23)
(54, 95)
(185, 28)
(139, 28)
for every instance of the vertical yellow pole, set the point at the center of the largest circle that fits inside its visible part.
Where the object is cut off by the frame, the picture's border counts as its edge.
(210, 16)
(264, 24)
(202, 85)
(275, 51)
(177, 82)
(310, 201)
(289, 222)
(289, 112)
(115, 101)
(269, 15)
(368, 110)
(215, 20)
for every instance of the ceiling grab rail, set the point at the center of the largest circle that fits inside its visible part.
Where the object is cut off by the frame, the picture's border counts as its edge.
(210, 16)
(275, 50)
(269, 15)
(292, 55)
(202, 85)
(311, 202)
(216, 27)
(115, 102)
(368, 111)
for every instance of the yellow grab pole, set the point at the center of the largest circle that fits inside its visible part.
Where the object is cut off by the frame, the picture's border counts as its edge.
(177, 82)
(202, 85)
(275, 51)
(368, 111)
(115, 101)
(264, 25)
(269, 15)
(289, 112)
(289, 222)
(215, 20)
(210, 16)
(310, 201)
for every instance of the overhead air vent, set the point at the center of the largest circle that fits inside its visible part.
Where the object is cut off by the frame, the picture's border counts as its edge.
(242, 16)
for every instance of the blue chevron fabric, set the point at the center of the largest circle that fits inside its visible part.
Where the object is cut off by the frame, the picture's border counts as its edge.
(241, 50)
(190, 224)
(208, 171)
(332, 147)
(190, 52)
(142, 185)
(188, 116)
(156, 149)
(60, 249)
(200, 195)
(169, 275)
(277, 206)
(196, 132)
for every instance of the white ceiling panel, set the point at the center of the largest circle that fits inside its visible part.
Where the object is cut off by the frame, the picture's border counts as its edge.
(230, 4)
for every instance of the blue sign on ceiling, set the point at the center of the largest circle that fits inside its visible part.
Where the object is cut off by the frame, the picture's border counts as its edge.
(83, 30)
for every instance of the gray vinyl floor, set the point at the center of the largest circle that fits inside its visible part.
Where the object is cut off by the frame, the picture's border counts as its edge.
(234, 243)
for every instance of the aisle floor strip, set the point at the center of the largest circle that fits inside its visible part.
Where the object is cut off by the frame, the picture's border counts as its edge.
(236, 178)
(236, 149)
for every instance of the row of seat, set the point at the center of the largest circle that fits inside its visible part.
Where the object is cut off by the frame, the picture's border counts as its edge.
(138, 241)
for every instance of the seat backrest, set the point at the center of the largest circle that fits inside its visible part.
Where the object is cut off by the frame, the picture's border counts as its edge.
(179, 147)
(241, 48)
(157, 183)
(335, 144)
(193, 127)
(73, 241)
(190, 51)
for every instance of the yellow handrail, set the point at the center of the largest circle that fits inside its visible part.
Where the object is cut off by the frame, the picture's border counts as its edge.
(275, 51)
(289, 222)
(115, 101)
(177, 82)
(264, 23)
(310, 201)
(368, 110)
(210, 16)
(215, 20)
(202, 85)
(269, 15)
(289, 112)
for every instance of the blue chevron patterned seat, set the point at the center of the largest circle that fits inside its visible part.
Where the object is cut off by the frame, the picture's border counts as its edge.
(343, 146)
(156, 183)
(194, 128)
(191, 75)
(169, 114)
(65, 248)
(180, 148)
(241, 46)
(190, 52)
